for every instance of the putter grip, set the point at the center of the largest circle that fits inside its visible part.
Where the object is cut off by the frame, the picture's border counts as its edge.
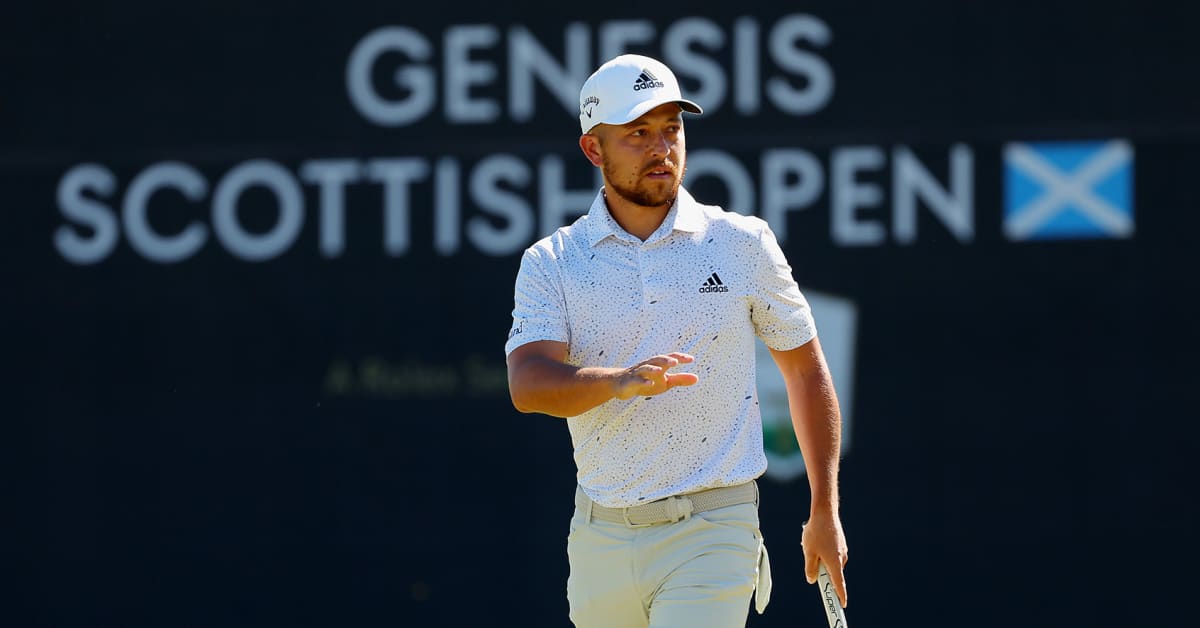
(833, 607)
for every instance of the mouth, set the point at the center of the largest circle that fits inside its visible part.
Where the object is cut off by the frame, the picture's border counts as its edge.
(661, 173)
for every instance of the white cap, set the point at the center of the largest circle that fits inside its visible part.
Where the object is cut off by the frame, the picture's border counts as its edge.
(626, 87)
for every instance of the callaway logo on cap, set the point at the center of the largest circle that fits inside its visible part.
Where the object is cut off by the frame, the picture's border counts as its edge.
(626, 87)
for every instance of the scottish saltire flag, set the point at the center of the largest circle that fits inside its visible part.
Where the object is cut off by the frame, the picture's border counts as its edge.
(1068, 190)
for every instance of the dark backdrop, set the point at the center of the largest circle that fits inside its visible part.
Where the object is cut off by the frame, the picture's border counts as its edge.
(325, 439)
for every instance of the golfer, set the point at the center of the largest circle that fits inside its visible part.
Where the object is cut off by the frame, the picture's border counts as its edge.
(636, 323)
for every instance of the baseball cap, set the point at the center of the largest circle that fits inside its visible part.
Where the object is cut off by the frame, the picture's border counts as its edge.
(626, 87)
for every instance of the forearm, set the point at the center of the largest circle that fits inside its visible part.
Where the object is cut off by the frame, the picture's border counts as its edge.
(816, 419)
(551, 387)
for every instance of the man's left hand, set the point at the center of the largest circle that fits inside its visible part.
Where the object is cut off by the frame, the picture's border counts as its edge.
(824, 541)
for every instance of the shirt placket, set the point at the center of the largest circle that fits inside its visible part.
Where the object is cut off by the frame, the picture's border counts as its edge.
(654, 282)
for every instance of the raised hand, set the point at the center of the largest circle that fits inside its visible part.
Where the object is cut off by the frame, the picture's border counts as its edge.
(653, 376)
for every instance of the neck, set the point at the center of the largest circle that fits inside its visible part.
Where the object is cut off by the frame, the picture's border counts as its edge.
(638, 220)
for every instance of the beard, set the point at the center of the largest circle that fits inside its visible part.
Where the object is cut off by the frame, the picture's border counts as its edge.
(642, 195)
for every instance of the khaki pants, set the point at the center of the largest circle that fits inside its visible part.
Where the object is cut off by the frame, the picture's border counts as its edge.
(695, 573)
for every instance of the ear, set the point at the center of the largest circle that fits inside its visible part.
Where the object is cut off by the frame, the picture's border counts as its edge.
(590, 145)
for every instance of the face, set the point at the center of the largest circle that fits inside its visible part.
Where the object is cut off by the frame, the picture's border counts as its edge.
(644, 160)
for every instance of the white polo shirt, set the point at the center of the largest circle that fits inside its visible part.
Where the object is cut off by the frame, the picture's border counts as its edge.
(704, 283)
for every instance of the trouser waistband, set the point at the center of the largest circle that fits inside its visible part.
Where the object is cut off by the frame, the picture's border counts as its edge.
(670, 509)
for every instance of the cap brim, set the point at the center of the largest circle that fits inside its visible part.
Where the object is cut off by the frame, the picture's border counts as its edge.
(640, 109)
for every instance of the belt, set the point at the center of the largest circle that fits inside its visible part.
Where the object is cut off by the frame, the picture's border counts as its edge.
(670, 509)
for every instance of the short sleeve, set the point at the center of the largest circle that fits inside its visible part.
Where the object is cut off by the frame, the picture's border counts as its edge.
(539, 312)
(780, 313)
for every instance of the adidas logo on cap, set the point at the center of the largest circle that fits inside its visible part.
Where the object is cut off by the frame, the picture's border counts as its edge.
(646, 80)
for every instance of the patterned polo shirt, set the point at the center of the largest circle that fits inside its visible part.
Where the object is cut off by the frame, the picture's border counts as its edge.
(706, 282)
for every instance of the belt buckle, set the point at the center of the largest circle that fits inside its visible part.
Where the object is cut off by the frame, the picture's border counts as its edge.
(679, 508)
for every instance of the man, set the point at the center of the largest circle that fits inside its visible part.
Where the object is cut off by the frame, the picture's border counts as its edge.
(637, 324)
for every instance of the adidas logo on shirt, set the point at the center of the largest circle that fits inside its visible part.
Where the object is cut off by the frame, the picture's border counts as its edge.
(646, 80)
(714, 284)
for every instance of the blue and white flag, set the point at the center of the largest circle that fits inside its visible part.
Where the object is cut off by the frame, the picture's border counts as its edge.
(1068, 190)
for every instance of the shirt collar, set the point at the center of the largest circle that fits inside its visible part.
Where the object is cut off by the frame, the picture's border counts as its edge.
(685, 215)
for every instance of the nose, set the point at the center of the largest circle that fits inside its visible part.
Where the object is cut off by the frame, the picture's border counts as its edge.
(661, 144)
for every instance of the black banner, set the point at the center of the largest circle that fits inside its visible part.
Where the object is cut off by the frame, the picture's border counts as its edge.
(259, 267)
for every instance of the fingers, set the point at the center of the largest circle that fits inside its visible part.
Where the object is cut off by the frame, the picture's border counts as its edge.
(811, 561)
(837, 577)
(682, 379)
(652, 376)
(655, 376)
(669, 360)
(812, 566)
(655, 368)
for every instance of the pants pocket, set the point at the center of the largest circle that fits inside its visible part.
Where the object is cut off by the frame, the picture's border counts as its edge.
(577, 523)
